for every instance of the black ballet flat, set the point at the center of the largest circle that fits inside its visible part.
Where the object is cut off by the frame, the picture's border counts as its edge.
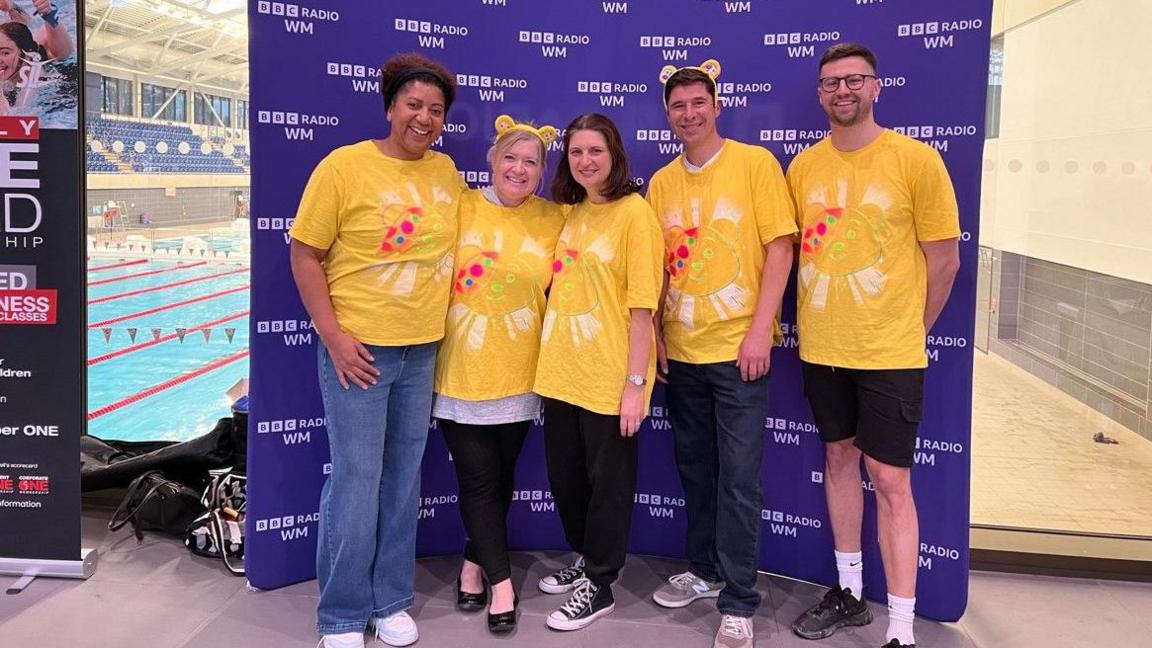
(504, 622)
(469, 602)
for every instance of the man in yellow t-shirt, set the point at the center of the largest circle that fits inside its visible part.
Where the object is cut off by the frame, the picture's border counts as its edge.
(728, 227)
(879, 232)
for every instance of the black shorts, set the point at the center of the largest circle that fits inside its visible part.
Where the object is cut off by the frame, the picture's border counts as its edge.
(881, 408)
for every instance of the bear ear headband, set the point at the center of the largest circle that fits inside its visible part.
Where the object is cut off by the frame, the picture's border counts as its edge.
(505, 124)
(711, 67)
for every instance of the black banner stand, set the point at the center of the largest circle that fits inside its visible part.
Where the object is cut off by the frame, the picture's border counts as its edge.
(43, 304)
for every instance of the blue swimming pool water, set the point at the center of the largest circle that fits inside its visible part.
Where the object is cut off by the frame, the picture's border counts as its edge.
(189, 408)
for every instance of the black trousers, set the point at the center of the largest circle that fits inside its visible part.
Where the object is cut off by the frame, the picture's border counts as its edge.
(592, 472)
(485, 460)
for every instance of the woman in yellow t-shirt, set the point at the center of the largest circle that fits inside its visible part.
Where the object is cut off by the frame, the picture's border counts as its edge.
(371, 252)
(596, 363)
(484, 400)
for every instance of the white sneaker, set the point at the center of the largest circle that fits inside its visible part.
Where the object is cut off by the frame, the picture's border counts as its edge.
(397, 630)
(734, 632)
(342, 640)
(682, 589)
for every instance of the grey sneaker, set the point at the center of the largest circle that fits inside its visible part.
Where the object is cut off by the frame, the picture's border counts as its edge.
(564, 580)
(682, 589)
(734, 632)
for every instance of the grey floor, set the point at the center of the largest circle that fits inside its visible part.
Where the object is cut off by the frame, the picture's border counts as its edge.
(157, 595)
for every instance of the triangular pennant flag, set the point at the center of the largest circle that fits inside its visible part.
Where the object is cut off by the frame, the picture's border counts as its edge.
(181, 332)
(107, 331)
(207, 334)
(155, 334)
(132, 333)
(230, 332)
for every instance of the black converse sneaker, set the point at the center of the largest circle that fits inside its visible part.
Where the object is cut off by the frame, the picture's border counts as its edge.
(838, 609)
(588, 603)
(564, 580)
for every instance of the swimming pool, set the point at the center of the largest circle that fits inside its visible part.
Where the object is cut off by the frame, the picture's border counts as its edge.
(144, 382)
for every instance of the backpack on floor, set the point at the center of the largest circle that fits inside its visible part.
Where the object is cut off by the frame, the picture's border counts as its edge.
(219, 531)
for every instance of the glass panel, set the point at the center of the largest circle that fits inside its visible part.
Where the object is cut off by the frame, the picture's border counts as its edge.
(1062, 434)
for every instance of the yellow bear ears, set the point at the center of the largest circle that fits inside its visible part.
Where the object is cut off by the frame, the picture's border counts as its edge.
(711, 67)
(505, 124)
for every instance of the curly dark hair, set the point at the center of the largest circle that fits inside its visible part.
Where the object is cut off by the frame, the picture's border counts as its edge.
(402, 69)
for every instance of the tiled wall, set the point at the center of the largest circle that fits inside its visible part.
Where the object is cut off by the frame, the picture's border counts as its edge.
(1088, 334)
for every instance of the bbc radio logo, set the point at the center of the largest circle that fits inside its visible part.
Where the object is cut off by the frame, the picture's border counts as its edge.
(429, 34)
(290, 527)
(553, 45)
(282, 326)
(294, 118)
(790, 38)
(775, 423)
(935, 34)
(274, 224)
(297, 19)
(490, 87)
(475, 177)
(595, 87)
(350, 70)
(653, 135)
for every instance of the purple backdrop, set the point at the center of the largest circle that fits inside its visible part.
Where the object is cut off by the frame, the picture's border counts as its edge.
(511, 57)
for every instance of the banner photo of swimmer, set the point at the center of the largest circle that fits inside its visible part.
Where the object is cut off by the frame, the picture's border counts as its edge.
(42, 353)
(593, 56)
(38, 65)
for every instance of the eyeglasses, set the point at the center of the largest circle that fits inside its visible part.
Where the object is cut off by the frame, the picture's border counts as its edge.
(853, 81)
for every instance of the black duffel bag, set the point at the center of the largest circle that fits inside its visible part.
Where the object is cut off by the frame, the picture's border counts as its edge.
(153, 502)
(115, 464)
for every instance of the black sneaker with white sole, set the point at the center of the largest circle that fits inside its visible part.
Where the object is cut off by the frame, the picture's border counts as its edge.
(838, 609)
(587, 603)
(563, 580)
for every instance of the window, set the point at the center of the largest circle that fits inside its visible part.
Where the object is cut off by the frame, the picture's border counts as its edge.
(995, 88)
(211, 110)
(241, 114)
(153, 98)
(117, 96)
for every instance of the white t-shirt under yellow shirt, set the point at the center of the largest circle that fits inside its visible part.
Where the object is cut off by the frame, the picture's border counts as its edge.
(717, 220)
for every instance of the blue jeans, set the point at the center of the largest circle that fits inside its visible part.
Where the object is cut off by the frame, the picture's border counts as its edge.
(718, 425)
(365, 557)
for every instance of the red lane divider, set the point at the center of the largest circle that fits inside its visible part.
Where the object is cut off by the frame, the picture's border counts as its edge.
(174, 284)
(168, 384)
(179, 266)
(183, 302)
(164, 338)
(117, 265)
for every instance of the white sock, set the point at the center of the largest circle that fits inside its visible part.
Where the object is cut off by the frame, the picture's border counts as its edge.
(901, 613)
(850, 566)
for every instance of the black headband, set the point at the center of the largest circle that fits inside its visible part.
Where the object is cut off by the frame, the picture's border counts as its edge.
(421, 73)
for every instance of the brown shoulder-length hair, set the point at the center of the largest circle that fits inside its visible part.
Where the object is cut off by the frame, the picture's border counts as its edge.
(566, 190)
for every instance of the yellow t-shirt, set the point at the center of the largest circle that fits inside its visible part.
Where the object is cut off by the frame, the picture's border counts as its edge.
(389, 227)
(503, 267)
(716, 222)
(607, 262)
(862, 281)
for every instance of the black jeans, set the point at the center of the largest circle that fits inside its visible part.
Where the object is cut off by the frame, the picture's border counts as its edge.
(485, 460)
(592, 472)
(718, 425)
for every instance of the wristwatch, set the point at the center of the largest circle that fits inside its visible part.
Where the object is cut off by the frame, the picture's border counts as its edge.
(637, 379)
